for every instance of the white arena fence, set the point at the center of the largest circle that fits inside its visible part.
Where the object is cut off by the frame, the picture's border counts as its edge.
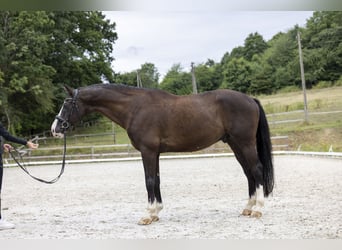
(116, 152)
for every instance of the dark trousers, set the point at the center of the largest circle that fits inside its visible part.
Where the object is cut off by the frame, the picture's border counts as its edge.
(1, 174)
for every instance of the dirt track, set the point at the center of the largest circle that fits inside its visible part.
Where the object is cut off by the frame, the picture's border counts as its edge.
(202, 199)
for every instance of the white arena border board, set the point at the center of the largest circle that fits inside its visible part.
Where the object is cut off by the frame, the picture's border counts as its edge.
(180, 156)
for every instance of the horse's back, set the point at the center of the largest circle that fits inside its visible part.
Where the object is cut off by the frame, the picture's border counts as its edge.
(217, 106)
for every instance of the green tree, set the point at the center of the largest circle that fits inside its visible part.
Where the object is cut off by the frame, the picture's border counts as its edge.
(177, 81)
(236, 52)
(27, 89)
(81, 47)
(282, 60)
(322, 42)
(208, 76)
(127, 78)
(237, 75)
(282, 49)
(236, 67)
(39, 52)
(149, 75)
(254, 45)
(261, 77)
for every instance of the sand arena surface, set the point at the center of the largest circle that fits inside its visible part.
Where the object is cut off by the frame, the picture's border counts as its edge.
(202, 198)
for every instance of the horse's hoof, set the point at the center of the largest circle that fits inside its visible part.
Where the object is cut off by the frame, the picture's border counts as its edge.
(246, 212)
(155, 218)
(256, 214)
(145, 221)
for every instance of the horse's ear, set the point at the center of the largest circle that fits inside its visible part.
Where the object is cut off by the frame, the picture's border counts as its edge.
(69, 90)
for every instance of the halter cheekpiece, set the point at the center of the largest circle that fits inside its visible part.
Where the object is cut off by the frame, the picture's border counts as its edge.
(65, 123)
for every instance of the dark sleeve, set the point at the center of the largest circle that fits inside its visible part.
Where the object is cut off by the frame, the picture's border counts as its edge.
(8, 137)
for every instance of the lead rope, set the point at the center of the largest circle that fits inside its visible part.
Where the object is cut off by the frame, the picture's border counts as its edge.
(36, 178)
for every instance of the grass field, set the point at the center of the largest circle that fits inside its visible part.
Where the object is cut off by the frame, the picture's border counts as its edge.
(327, 99)
(323, 130)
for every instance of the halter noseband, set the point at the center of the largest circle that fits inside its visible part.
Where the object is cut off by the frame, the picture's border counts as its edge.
(65, 123)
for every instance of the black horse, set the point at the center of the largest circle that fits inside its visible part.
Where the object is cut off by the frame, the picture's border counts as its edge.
(158, 122)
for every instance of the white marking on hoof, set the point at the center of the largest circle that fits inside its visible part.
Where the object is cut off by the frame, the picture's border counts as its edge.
(260, 200)
(255, 204)
(250, 204)
(259, 203)
(153, 211)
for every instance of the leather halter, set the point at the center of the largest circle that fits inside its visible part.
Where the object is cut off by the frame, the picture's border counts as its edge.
(65, 123)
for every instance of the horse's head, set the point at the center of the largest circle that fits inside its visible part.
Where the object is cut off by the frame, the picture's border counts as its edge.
(69, 114)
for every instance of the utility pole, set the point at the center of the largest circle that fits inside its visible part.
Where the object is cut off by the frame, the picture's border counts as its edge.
(194, 85)
(139, 83)
(302, 77)
(113, 132)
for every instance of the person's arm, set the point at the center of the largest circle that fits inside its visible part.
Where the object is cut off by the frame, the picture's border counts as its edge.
(8, 137)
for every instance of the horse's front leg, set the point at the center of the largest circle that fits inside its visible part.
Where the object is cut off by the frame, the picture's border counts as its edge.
(152, 180)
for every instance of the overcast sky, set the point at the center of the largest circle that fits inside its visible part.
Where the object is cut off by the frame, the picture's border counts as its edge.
(165, 38)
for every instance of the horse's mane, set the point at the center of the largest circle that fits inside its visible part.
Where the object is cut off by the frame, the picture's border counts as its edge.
(122, 88)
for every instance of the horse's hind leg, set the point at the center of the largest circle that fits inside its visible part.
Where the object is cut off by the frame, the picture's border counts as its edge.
(152, 180)
(252, 198)
(248, 158)
(159, 203)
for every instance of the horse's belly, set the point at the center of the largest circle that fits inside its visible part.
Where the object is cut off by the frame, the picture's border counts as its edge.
(188, 143)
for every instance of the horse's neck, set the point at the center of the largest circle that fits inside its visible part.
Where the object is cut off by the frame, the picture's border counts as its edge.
(113, 104)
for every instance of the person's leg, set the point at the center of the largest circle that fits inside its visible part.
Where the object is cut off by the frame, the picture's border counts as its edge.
(1, 174)
(3, 224)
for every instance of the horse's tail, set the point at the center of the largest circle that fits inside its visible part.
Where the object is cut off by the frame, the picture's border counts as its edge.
(264, 148)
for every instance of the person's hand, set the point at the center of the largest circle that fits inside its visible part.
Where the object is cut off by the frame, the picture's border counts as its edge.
(32, 145)
(7, 147)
